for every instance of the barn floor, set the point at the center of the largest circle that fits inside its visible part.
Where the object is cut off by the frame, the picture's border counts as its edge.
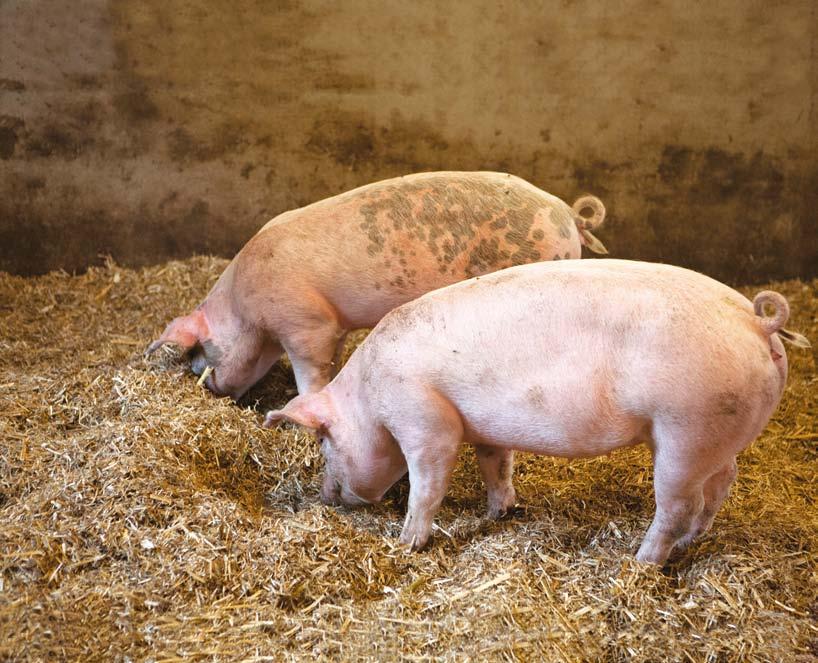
(142, 518)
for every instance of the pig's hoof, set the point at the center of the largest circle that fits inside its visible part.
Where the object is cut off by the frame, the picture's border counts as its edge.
(412, 541)
(656, 559)
(501, 508)
(330, 500)
(510, 512)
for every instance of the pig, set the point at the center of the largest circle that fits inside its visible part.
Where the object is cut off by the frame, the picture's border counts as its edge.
(572, 359)
(312, 274)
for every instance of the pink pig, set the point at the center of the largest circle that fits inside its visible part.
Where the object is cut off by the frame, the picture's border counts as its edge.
(312, 274)
(571, 359)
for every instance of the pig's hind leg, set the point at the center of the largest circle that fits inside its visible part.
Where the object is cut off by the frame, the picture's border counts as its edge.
(679, 475)
(716, 489)
(429, 432)
(497, 468)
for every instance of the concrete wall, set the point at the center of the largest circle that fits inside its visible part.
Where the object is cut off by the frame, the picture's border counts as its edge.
(156, 129)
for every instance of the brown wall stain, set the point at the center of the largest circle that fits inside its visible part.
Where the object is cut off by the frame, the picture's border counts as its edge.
(156, 130)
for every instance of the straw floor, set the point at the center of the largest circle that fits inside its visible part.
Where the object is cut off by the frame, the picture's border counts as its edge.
(143, 519)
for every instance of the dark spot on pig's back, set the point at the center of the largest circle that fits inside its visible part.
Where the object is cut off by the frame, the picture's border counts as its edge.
(535, 396)
(448, 214)
(525, 254)
(486, 256)
(395, 323)
(729, 404)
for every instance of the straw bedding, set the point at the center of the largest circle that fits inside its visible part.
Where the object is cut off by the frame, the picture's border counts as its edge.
(142, 518)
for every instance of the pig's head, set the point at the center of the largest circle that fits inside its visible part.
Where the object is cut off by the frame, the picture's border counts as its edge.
(212, 336)
(361, 458)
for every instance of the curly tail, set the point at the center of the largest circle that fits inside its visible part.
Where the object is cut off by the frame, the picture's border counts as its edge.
(774, 324)
(586, 224)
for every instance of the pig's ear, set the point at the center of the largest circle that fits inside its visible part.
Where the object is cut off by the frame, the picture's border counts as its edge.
(185, 331)
(309, 410)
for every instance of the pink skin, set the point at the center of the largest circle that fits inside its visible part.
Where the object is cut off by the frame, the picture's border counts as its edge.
(312, 274)
(571, 359)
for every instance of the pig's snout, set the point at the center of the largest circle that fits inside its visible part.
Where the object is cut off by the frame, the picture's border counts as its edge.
(198, 364)
(330, 491)
(333, 493)
(215, 388)
(351, 499)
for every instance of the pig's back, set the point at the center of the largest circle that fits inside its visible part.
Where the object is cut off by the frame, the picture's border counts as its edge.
(395, 240)
(576, 297)
(585, 352)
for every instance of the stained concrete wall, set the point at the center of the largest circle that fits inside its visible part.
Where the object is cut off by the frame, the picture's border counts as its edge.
(155, 129)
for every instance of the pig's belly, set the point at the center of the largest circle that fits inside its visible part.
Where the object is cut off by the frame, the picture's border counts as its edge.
(363, 304)
(572, 430)
(366, 306)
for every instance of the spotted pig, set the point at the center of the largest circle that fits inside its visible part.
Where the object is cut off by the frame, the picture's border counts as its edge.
(311, 274)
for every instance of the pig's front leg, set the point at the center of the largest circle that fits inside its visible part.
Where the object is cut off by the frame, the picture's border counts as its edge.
(314, 348)
(430, 442)
(497, 467)
(429, 476)
(315, 369)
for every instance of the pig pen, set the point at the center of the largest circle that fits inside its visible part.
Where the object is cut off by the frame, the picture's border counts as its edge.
(143, 519)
